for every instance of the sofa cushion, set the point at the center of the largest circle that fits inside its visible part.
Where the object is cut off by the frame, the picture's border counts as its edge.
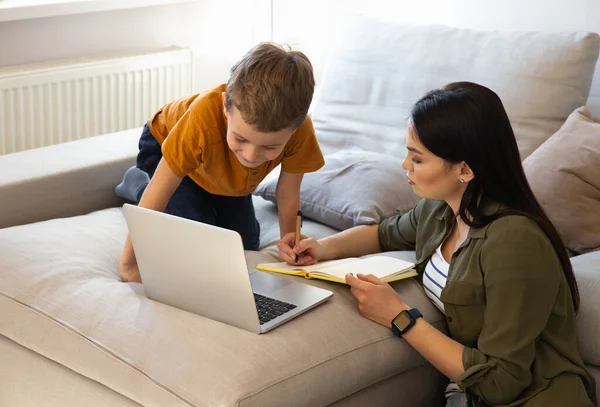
(564, 174)
(30, 380)
(61, 297)
(379, 69)
(593, 106)
(353, 188)
(587, 272)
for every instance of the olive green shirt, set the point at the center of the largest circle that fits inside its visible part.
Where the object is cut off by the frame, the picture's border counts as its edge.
(508, 302)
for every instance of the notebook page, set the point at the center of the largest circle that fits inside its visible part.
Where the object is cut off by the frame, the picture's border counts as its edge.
(326, 265)
(379, 266)
(283, 266)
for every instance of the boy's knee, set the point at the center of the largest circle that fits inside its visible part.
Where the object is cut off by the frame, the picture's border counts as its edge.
(252, 244)
(251, 238)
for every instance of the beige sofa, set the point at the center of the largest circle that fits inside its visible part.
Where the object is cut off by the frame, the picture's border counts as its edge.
(72, 334)
(102, 342)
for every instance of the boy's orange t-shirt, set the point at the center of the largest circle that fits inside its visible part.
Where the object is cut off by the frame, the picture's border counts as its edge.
(192, 132)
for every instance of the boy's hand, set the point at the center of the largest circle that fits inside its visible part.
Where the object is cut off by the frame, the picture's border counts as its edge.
(130, 273)
(309, 250)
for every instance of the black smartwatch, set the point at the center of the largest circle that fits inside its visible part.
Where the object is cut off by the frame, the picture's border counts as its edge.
(404, 321)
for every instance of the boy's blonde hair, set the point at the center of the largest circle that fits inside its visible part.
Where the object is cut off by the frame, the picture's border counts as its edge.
(272, 87)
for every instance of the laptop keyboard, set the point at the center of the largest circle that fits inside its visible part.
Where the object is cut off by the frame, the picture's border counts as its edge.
(269, 308)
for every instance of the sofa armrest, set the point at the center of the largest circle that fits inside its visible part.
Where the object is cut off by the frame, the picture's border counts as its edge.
(66, 179)
(586, 268)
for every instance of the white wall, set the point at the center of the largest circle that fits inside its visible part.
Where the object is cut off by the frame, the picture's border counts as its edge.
(220, 32)
(310, 24)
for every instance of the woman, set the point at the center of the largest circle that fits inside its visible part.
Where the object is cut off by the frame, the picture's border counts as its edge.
(490, 258)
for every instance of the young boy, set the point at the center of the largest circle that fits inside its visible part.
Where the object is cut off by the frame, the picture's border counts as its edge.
(202, 156)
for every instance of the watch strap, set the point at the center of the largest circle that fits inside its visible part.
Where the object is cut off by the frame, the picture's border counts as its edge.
(415, 313)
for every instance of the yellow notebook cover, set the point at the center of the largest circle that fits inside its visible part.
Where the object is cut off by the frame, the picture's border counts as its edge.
(386, 268)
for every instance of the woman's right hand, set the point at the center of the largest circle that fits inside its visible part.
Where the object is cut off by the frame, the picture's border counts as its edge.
(309, 250)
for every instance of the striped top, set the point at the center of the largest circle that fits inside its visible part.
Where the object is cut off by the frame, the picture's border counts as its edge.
(435, 276)
(434, 279)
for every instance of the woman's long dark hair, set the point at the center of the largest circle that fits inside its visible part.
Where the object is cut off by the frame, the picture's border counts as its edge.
(467, 122)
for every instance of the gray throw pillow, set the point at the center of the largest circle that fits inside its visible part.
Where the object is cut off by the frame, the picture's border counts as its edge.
(353, 188)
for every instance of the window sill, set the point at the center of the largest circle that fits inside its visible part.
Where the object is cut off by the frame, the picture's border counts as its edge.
(11, 10)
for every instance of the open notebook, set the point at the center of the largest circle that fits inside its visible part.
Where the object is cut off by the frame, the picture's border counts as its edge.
(386, 268)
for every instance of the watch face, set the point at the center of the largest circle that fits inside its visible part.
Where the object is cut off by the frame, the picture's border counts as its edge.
(402, 321)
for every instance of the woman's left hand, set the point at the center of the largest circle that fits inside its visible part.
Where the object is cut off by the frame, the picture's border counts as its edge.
(377, 300)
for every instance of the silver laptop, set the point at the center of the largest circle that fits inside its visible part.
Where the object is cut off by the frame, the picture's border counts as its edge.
(202, 269)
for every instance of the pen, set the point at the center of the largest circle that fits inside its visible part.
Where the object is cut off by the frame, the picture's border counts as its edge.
(298, 226)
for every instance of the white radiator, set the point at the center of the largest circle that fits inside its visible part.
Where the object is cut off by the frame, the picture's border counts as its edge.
(68, 100)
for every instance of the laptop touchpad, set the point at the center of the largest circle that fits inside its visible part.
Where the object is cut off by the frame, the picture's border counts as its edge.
(267, 283)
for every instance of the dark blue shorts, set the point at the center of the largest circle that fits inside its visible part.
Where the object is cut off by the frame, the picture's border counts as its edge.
(190, 201)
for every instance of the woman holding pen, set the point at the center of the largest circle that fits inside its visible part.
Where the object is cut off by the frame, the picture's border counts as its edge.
(490, 259)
